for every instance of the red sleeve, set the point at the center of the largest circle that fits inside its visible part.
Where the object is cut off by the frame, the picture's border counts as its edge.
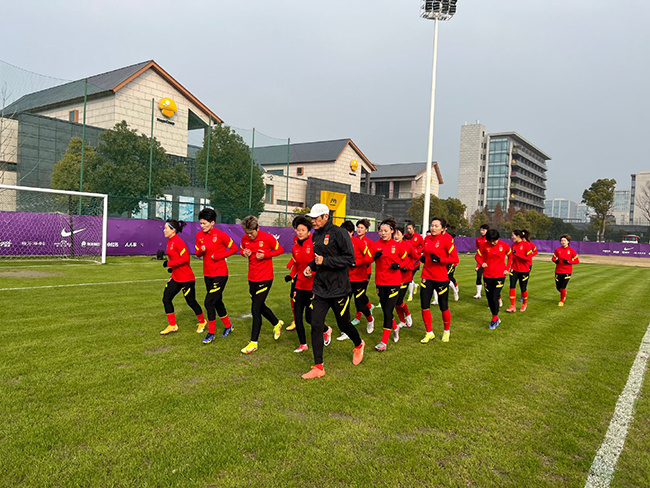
(276, 248)
(574, 258)
(452, 254)
(509, 255)
(198, 251)
(479, 255)
(231, 247)
(183, 257)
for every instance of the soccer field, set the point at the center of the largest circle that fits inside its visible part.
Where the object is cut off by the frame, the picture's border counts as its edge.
(92, 395)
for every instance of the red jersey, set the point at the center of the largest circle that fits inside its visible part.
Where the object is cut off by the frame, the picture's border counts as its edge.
(392, 252)
(371, 247)
(533, 249)
(522, 256)
(218, 246)
(498, 259)
(362, 259)
(412, 260)
(261, 269)
(480, 240)
(417, 243)
(179, 260)
(303, 254)
(562, 253)
(442, 246)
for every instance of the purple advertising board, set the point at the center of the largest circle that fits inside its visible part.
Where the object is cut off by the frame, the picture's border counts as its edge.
(30, 234)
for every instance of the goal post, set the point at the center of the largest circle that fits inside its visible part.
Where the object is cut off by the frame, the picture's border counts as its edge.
(43, 223)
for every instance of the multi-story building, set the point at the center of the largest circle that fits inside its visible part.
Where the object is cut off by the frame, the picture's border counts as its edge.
(561, 208)
(621, 209)
(583, 213)
(640, 198)
(500, 169)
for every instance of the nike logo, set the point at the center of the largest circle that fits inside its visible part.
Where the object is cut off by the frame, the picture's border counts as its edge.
(627, 248)
(67, 233)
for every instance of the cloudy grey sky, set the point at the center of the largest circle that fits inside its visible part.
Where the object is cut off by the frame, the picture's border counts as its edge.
(571, 76)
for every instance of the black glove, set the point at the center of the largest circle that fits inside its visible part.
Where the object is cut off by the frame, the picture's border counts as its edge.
(288, 278)
(377, 255)
(514, 252)
(169, 270)
(566, 261)
(405, 269)
(165, 263)
(394, 266)
(423, 259)
(435, 258)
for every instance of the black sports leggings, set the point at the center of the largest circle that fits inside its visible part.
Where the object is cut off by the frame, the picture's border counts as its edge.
(360, 297)
(259, 290)
(451, 271)
(521, 277)
(493, 288)
(402, 293)
(341, 308)
(171, 290)
(302, 302)
(214, 286)
(388, 299)
(426, 293)
(479, 275)
(562, 280)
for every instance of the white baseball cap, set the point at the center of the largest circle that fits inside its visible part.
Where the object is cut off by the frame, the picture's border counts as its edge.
(318, 210)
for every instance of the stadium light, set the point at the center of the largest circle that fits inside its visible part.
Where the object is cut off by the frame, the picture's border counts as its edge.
(433, 10)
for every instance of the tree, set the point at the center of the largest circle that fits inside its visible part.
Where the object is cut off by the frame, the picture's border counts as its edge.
(120, 168)
(559, 227)
(539, 224)
(643, 200)
(229, 174)
(456, 212)
(450, 209)
(600, 197)
(478, 219)
(497, 218)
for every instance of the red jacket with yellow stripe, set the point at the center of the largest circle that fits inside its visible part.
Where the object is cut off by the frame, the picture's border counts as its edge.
(562, 253)
(261, 269)
(179, 260)
(495, 257)
(442, 246)
(214, 246)
(362, 258)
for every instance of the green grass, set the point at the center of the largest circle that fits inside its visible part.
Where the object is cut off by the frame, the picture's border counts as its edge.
(92, 395)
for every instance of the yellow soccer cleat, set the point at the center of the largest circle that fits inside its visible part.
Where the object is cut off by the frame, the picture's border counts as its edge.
(428, 337)
(169, 329)
(201, 327)
(251, 347)
(292, 326)
(445, 336)
(277, 330)
(561, 304)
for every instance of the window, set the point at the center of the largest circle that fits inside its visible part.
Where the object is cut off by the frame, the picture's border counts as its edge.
(291, 203)
(73, 116)
(278, 172)
(300, 171)
(268, 197)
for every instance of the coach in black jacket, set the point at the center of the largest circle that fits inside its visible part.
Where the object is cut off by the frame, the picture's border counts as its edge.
(333, 255)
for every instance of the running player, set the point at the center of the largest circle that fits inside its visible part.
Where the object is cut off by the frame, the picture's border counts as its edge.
(363, 226)
(259, 247)
(359, 278)
(291, 278)
(182, 278)
(417, 243)
(389, 258)
(402, 309)
(439, 251)
(214, 246)
(302, 254)
(479, 271)
(333, 255)
(495, 257)
(521, 263)
(564, 258)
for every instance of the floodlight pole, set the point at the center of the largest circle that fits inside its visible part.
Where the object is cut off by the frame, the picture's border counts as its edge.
(427, 182)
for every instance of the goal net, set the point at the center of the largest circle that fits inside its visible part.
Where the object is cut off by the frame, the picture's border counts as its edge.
(41, 223)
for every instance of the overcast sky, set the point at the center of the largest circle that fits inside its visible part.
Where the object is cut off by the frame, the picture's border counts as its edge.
(570, 76)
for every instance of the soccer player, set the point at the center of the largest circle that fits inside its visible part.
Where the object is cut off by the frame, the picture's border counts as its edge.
(359, 279)
(259, 247)
(412, 255)
(390, 258)
(521, 263)
(182, 277)
(439, 251)
(417, 243)
(333, 255)
(363, 226)
(480, 240)
(564, 258)
(495, 258)
(214, 246)
(302, 254)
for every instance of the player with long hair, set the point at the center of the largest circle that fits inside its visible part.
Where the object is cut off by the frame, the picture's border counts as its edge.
(417, 243)
(412, 255)
(363, 226)
(182, 279)
(259, 247)
(439, 251)
(521, 263)
(495, 258)
(480, 240)
(564, 258)
(214, 246)
(302, 254)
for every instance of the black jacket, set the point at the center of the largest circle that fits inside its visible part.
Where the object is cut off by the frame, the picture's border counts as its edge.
(335, 245)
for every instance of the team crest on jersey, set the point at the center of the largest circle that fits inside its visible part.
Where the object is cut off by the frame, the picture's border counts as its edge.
(327, 240)
(261, 244)
(392, 250)
(214, 239)
(500, 248)
(308, 251)
(437, 244)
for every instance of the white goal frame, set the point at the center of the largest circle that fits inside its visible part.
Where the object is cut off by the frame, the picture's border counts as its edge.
(103, 196)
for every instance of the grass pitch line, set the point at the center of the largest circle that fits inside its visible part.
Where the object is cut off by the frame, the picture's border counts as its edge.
(82, 284)
(602, 469)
